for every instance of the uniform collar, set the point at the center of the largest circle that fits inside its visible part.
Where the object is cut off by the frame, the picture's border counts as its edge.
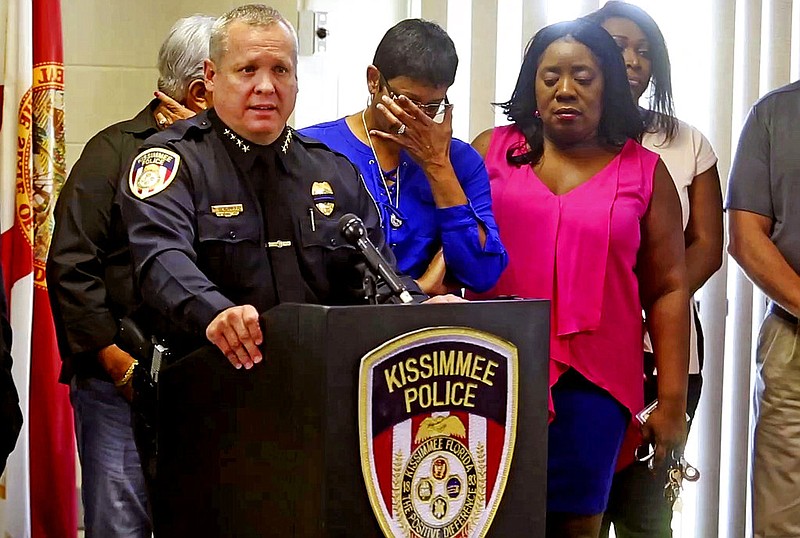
(245, 152)
(144, 121)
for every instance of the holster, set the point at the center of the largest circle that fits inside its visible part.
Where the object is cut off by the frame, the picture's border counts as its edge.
(144, 405)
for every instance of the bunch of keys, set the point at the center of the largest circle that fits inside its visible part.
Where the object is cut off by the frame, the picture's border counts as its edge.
(679, 470)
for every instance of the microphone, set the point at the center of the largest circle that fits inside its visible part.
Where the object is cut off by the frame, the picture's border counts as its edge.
(352, 229)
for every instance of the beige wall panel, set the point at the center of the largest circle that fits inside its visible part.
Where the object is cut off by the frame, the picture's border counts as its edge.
(73, 153)
(436, 11)
(137, 89)
(115, 32)
(483, 66)
(288, 8)
(110, 53)
(97, 97)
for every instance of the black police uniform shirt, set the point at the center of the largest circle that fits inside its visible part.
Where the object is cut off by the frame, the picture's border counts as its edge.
(216, 221)
(89, 273)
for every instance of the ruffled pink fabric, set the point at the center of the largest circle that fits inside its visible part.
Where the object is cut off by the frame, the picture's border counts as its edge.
(579, 250)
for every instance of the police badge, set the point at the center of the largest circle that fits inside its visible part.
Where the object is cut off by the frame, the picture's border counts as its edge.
(437, 422)
(152, 171)
(322, 194)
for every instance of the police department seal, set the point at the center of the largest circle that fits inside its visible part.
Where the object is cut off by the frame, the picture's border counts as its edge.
(439, 487)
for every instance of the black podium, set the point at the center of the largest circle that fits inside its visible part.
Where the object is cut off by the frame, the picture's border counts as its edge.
(277, 451)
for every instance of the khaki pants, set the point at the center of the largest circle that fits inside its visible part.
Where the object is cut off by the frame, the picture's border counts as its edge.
(776, 458)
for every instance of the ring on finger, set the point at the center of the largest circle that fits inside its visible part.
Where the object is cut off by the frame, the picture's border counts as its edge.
(401, 129)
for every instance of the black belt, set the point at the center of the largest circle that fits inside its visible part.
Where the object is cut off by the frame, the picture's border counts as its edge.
(776, 309)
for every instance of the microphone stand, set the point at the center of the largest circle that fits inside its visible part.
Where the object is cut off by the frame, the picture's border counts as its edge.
(370, 284)
(352, 229)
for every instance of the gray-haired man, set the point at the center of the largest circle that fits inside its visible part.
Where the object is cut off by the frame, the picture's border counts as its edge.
(91, 289)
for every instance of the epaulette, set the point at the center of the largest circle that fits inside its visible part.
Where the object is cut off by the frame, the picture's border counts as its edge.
(308, 141)
(181, 129)
(311, 142)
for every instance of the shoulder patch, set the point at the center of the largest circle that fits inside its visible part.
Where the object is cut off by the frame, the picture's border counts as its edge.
(152, 171)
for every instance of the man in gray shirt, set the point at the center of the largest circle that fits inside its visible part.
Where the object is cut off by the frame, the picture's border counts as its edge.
(764, 225)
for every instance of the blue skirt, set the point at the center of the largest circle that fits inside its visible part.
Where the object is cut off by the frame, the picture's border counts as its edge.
(584, 441)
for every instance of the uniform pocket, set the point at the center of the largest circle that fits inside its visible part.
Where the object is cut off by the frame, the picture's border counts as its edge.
(228, 229)
(229, 247)
(324, 233)
(328, 261)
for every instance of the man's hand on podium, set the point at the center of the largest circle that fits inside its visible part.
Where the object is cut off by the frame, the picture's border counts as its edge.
(236, 332)
(441, 299)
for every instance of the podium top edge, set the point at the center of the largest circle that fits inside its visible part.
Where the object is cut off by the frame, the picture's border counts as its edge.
(411, 305)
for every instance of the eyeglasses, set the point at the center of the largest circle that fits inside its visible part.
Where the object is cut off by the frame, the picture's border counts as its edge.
(434, 111)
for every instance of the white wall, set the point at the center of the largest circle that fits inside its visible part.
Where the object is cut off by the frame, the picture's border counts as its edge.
(110, 50)
(334, 83)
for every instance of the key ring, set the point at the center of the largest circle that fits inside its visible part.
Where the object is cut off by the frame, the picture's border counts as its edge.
(649, 457)
(689, 471)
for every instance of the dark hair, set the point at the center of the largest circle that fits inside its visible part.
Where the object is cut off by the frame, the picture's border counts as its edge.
(418, 49)
(620, 119)
(660, 116)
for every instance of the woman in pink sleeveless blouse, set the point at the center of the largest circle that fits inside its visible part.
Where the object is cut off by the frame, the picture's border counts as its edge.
(590, 220)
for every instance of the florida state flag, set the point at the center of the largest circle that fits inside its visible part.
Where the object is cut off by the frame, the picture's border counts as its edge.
(437, 417)
(37, 492)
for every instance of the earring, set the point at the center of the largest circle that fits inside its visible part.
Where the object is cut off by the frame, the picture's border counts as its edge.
(536, 114)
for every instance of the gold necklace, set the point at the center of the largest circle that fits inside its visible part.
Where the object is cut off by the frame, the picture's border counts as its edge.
(395, 221)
